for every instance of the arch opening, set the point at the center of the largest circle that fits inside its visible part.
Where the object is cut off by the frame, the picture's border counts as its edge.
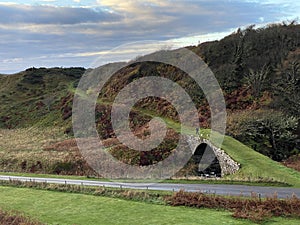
(206, 162)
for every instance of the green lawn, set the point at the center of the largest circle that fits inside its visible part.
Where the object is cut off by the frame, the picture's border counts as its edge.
(65, 208)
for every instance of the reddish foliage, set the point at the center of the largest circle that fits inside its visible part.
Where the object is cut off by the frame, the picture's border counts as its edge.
(14, 218)
(66, 106)
(73, 163)
(293, 162)
(39, 105)
(254, 208)
(67, 145)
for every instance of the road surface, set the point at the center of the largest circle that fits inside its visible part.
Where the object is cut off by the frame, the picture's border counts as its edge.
(220, 189)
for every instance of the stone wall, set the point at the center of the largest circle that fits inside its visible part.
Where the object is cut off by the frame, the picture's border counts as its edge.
(227, 164)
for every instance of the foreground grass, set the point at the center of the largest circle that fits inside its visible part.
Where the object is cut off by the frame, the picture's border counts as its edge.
(67, 208)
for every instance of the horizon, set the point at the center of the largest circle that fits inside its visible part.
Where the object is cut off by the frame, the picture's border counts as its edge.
(74, 33)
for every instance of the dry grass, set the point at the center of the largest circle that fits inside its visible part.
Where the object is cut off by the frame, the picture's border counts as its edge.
(40, 150)
(31, 139)
(15, 218)
(69, 145)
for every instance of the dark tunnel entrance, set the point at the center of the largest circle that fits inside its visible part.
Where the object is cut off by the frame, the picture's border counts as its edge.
(205, 161)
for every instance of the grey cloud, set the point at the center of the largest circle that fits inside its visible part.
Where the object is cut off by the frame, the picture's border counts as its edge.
(91, 30)
(53, 15)
(215, 16)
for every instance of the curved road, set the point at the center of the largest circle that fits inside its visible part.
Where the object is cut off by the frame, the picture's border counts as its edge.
(282, 192)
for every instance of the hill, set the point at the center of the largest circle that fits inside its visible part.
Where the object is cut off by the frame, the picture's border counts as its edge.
(258, 70)
(36, 96)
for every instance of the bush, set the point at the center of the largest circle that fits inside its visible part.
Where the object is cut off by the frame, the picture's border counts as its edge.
(15, 218)
(60, 167)
(270, 132)
(254, 208)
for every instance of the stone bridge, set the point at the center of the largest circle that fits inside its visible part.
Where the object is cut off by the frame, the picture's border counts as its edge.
(227, 164)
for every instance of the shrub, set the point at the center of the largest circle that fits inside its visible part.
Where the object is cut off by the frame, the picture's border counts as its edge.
(253, 208)
(16, 218)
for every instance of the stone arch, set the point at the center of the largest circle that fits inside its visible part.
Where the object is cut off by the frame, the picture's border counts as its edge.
(208, 163)
(227, 164)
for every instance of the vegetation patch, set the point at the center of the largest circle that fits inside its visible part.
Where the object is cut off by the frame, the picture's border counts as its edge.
(16, 218)
(255, 208)
(293, 162)
(53, 207)
(136, 195)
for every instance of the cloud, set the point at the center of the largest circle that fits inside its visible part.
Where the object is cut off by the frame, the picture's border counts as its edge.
(75, 33)
(189, 16)
(41, 14)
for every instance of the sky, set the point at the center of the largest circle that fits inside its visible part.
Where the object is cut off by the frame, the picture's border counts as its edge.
(87, 33)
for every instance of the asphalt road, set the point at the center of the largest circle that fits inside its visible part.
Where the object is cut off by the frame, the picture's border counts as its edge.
(236, 190)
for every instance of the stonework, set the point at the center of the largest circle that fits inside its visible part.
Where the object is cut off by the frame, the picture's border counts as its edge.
(227, 164)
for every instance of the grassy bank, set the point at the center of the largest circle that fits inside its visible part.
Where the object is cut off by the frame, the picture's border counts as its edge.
(65, 208)
(255, 166)
(68, 208)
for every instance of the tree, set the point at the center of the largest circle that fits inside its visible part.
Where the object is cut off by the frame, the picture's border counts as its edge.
(271, 133)
(256, 80)
(287, 88)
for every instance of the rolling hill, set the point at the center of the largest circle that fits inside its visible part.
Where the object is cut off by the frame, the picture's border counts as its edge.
(250, 65)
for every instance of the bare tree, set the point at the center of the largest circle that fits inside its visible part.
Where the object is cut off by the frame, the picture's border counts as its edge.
(256, 80)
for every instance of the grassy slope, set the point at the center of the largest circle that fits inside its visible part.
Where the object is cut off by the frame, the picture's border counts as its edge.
(34, 97)
(66, 208)
(255, 165)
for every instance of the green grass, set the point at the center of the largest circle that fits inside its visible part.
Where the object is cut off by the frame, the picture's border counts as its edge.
(66, 208)
(255, 166)
(22, 95)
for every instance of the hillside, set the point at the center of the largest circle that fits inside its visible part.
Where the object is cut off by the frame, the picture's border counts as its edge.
(258, 70)
(36, 96)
